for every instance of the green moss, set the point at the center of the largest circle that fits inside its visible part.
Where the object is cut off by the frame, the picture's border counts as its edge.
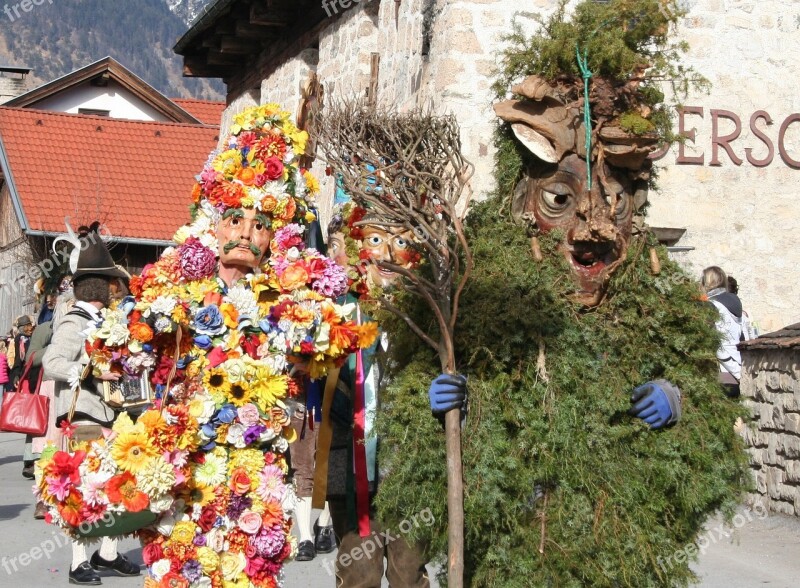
(635, 123)
(619, 495)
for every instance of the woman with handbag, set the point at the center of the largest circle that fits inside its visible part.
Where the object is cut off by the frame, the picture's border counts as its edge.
(62, 363)
(3, 367)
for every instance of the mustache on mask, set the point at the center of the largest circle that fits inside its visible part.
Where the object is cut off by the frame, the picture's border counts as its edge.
(231, 245)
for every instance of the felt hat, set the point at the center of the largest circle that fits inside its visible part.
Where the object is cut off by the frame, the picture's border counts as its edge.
(23, 321)
(95, 260)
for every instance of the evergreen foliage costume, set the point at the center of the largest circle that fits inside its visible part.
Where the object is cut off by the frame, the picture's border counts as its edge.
(560, 322)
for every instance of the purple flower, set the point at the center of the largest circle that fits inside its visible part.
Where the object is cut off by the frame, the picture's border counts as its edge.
(253, 432)
(333, 282)
(197, 260)
(191, 570)
(237, 505)
(200, 540)
(269, 540)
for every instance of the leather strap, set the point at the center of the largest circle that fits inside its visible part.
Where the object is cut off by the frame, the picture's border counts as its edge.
(320, 491)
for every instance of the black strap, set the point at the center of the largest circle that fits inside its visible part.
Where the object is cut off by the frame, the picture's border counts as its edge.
(81, 312)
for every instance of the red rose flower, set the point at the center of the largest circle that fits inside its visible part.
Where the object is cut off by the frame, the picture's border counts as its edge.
(250, 345)
(207, 519)
(273, 168)
(151, 553)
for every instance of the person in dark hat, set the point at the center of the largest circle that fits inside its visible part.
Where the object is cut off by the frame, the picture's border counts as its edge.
(63, 363)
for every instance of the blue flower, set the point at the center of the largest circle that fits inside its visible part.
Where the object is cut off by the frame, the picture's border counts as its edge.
(266, 325)
(202, 341)
(226, 413)
(209, 431)
(209, 321)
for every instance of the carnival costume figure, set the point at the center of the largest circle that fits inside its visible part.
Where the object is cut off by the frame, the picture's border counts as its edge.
(226, 325)
(576, 469)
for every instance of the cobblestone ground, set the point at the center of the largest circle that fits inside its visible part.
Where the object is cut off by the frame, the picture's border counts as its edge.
(750, 551)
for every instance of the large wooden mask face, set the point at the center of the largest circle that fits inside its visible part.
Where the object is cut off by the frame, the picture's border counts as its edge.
(596, 224)
(597, 221)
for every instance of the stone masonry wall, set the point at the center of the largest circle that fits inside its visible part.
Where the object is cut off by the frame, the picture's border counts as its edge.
(771, 391)
(743, 217)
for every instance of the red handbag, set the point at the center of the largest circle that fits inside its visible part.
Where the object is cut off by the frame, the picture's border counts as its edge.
(24, 411)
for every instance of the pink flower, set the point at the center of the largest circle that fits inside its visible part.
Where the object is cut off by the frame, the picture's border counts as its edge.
(59, 486)
(289, 236)
(250, 522)
(248, 415)
(272, 485)
(197, 261)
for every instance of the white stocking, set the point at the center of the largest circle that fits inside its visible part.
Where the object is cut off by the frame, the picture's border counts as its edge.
(108, 548)
(303, 513)
(78, 554)
(324, 519)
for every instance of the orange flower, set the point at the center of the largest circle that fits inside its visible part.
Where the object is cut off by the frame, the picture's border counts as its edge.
(294, 277)
(268, 203)
(299, 315)
(273, 513)
(122, 488)
(240, 481)
(70, 508)
(367, 333)
(141, 332)
(197, 193)
(230, 314)
(247, 175)
(342, 339)
(173, 580)
(212, 298)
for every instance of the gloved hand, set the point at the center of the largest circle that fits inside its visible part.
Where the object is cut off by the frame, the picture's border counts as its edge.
(658, 403)
(447, 392)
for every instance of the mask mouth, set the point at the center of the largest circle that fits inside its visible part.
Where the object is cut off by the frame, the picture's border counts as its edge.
(592, 258)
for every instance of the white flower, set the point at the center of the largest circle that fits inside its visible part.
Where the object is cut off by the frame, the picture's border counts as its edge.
(289, 156)
(244, 301)
(160, 568)
(280, 445)
(161, 503)
(163, 305)
(275, 187)
(267, 434)
(299, 183)
(93, 484)
(118, 336)
(293, 254)
(236, 436)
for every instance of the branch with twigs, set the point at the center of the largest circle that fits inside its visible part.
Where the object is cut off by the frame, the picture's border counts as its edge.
(408, 171)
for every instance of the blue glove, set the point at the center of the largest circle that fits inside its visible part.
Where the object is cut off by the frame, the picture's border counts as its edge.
(658, 403)
(447, 392)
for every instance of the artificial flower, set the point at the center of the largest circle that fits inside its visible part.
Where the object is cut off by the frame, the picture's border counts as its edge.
(121, 489)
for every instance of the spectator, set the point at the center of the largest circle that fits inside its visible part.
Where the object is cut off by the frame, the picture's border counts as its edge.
(749, 329)
(3, 367)
(21, 341)
(61, 362)
(729, 307)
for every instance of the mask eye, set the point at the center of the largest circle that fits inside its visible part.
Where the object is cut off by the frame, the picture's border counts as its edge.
(400, 243)
(374, 241)
(556, 198)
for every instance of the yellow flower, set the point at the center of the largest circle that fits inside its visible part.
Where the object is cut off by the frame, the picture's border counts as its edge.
(232, 564)
(132, 451)
(216, 382)
(124, 424)
(230, 314)
(197, 290)
(268, 387)
(239, 393)
(228, 162)
(312, 183)
(208, 559)
(202, 494)
(252, 460)
(183, 532)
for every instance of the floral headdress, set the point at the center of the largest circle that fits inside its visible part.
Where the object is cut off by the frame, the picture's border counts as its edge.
(258, 167)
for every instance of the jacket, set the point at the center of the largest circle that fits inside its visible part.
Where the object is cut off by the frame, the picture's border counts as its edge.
(61, 360)
(3, 369)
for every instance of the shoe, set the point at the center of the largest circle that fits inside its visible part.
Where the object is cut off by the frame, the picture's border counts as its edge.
(27, 470)
(40, 511)
(121, 566)
(305, 551)
(84, 575)
(325, 539)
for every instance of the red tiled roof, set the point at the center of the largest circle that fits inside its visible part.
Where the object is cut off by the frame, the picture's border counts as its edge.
(206, 111)
(134, 176)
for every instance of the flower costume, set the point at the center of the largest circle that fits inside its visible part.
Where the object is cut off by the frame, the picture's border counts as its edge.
(226, 333)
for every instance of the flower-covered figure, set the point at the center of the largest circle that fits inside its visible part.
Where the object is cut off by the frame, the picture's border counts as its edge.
(227, 322)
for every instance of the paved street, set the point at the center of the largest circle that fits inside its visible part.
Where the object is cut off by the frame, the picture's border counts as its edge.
(751, 551)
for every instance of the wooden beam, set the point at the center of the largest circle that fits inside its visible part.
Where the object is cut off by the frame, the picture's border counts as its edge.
(197, 67)
(246, 30)
(236, 46)
(262, 14)
(227, 59)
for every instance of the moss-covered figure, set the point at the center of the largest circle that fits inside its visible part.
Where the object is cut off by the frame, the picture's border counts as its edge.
(564, 316)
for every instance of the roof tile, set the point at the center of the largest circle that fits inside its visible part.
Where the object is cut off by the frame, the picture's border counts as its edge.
(134, 176)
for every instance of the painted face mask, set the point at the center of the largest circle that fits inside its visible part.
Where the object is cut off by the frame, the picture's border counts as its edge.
(555, 193)
(378, 245)
(243, 237)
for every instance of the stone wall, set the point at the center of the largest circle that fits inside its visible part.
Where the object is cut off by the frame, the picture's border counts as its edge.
(742, 217)
(771, 391)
